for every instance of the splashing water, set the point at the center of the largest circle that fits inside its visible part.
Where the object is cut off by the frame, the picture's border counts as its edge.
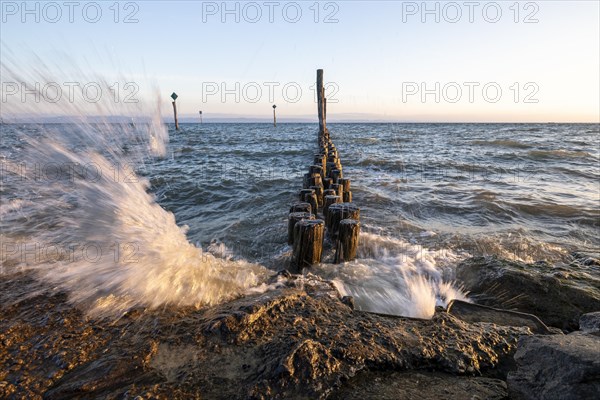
(76, 213)
(394, 277)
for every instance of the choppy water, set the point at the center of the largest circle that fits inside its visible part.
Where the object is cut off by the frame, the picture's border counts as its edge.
(430, 195)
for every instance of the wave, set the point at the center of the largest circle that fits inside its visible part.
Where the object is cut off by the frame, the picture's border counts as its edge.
(392, 276)
(559, 154)
(83, 221)
(502, 143)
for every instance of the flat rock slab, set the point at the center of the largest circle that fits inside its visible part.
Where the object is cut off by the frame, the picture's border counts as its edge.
(556, 367)
(470, 312)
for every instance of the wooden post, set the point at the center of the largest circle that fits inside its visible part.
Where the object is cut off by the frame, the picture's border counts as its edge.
(347, 245)
(338, 212)
(316, 169)
(274, 117)
(330, 166)
(308, 243)
(339, 189)
(293, 218)
(312, 200)
(319, 193)
(335, 175)
(300, 207)
(320, 107)
(304, 193)
(345, 182)
(315, 180)
(347, 197)
(328, 201)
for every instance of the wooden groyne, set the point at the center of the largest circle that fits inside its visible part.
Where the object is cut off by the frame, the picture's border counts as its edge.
(324, 215)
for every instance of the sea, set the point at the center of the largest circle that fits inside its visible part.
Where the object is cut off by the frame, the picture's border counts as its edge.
(138, 214)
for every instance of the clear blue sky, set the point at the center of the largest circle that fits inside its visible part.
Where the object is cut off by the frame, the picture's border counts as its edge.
(379, 55)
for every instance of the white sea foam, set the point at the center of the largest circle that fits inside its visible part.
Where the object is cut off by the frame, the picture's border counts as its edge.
(392, 276)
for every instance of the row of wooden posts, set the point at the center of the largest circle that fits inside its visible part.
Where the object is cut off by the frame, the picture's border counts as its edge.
(324, 214)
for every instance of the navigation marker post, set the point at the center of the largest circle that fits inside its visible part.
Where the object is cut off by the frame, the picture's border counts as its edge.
(174, 97)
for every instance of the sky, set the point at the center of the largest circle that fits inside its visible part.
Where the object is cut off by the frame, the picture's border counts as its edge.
(479, 61)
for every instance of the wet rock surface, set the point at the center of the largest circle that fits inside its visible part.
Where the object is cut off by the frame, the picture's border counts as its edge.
(558, 295)
(298, 341)
(470, 312)
(590, 322)
(557, 367)
(422, 385)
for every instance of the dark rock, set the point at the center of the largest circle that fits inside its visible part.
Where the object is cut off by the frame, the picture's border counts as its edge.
(421, 385)
(349, 301)
(590, 322)
(556, 367)
(297, 341)
(470, 312)
(557, 295)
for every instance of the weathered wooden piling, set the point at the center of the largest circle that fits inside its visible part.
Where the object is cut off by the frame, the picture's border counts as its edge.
(293, 218)
(338, 212)
(316, 169)
(312, 200)
(339, 189)
(300, 207)
(304, 193)
(347, 244)
(324, 189)
(345, 182)
(328, 201)
(336, 174)
(319, 193)
(347, 197)
(330, 166)
(320, 101)
(308, 242)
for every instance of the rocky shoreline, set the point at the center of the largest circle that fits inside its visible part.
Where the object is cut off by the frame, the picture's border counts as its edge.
(303, 341)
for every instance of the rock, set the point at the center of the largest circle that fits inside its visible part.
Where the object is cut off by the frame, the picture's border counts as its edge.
(556, 367)
(590, 322)
(421, 385)
(470, 312)
(349, 301)
(557, 295)
(298, 341)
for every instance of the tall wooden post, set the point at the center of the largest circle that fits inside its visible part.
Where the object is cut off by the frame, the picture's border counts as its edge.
(274, 117)
(320, 101)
